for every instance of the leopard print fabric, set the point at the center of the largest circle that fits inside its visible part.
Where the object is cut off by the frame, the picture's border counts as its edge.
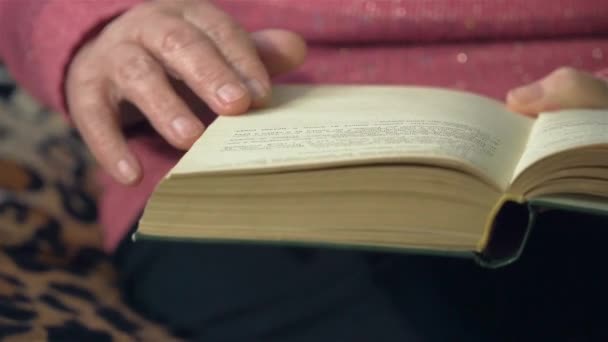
(56, 284)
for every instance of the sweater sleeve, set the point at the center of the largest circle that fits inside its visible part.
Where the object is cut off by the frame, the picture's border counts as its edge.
(603, 73)
(39, 37)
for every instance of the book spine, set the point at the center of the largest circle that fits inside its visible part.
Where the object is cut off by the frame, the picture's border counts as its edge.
(508, 236)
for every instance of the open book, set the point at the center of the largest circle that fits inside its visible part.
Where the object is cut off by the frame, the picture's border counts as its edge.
(411, 168)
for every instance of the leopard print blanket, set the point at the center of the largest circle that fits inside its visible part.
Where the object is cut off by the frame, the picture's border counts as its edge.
(56, 284)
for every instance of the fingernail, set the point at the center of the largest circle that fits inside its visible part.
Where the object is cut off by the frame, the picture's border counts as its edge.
(186, 128)
(230, 92)
(127, 171)
(258, 91)
(528, 93)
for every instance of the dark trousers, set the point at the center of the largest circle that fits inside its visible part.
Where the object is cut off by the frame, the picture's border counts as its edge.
(556, 291)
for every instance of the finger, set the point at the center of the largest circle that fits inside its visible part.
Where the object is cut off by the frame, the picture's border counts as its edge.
(281, 51)
(191, 55)
(142, 81)
(234, 44)
(98, 125)
(562, 89)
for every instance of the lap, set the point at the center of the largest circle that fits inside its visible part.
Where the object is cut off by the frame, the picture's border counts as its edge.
(245, 292)
(236, 293)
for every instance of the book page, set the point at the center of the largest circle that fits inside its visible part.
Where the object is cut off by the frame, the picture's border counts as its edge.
(564, 130)
(333, 124)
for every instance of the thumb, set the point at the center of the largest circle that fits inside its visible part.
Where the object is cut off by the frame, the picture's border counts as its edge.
(562, 89)
(281, 51)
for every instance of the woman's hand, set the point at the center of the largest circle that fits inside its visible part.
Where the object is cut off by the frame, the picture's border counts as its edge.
(562, 89)
(133, 58)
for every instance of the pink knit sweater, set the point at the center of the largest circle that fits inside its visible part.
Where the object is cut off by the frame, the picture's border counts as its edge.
(485, 46)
